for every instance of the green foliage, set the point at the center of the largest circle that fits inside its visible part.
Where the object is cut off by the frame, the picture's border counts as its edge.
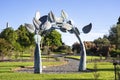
(114, 35)
(102, 42)
(5, 48)
(76, 47)
(52, 38)
(64, 49)
(115, 53)
(25, 39)
(9, 35)
(102, 47)
(118, 36)
(18, 40)
(118, 21)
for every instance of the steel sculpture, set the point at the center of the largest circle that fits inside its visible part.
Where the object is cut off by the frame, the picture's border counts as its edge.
(47, 23)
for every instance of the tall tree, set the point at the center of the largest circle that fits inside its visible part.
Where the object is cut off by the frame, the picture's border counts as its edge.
(114, 35)
(118, 36)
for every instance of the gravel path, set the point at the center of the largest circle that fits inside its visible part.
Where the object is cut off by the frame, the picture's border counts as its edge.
(70, 67)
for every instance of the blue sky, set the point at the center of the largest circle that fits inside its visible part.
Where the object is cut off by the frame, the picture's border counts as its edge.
(103, 14)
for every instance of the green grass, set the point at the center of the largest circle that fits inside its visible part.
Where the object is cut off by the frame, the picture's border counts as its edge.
(28, 76)
(104, 69)
(88, 57)
(9, 66)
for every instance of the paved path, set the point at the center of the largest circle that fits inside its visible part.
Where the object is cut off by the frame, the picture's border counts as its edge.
(70, 67)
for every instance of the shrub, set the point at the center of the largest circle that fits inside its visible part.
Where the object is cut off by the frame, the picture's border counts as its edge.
(114, 53)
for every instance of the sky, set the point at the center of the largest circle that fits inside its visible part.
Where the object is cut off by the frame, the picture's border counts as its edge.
(103, 14)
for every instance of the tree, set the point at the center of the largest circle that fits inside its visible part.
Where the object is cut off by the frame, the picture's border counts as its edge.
(118, 21)
(11, 37)
(103, 44)
(118, 36)
(114, 34)
(9, 34)
(5, 48)
(25, 39)
(76, 47)
(52, 38)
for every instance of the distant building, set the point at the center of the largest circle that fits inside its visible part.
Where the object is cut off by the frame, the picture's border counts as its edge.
(7, 25)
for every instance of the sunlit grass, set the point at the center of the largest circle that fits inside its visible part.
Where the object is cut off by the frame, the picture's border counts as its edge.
(10, 66)
(104, 69)
(88, 57)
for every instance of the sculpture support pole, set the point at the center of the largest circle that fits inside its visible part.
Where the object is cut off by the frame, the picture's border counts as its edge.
(82, 64)
(37, 55)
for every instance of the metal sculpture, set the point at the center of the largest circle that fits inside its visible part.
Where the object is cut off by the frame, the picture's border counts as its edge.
(46, 23)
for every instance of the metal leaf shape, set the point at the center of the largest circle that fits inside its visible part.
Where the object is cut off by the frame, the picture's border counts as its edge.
(67, 26)
(47, 25)
(43, 19)
(87, 28)
(37, 15)
(59, 20)
(51, 17)
(30, 27)
(36, 23)
(71, 31)
(64, 14)
(70, 22)
(63, 30)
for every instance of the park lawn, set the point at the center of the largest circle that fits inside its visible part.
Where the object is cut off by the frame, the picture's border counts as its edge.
(69, 76)
(10, 66)
(31, 76)
(88, 57)
(105, 71)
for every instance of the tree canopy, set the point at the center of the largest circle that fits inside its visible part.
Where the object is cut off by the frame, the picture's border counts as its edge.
(9, 34)
(102, 42)
(52, 38)
(114, 34)
(25, 39)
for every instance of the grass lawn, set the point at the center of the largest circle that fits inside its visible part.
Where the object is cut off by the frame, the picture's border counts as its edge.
(29, 76)
(105, 70)
(88, 57)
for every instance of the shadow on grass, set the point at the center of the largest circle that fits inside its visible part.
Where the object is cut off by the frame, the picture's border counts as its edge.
(92, 70)
(105, 69)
